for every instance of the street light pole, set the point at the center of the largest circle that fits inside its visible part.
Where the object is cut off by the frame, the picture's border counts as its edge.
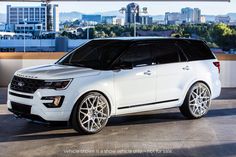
(135, 11)
(134, 23)
(87, 32)
(24, 32)
(24, 37)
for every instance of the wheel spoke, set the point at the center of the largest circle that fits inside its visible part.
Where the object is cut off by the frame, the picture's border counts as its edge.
(199, 100)
(83, 118)
(204, 107)
(95, 101)
(85, 114)
(191, 101)
(91, 104)
(205, 101)
(203, 110)
(101, 109)
(84, 108)
(99, 121)
(203, 92)
(95, 124)
(206, 97)
(103, 114)
(86, 121)
(86, 104)
(195, 109)
(93, 113)
(194, 94)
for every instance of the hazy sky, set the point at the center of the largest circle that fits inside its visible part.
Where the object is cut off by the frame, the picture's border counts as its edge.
(210, 8)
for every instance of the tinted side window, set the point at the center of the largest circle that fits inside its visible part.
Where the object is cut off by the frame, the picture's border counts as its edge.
(166, 52)
(98, 54)
(138, 55)
(195, 50)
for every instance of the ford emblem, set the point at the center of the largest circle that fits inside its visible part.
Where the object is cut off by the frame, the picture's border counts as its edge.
(21, 84)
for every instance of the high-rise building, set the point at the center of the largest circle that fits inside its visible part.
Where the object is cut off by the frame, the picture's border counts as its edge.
(120, 21)
(191, 15)
(145, 20)
(109, 20)
(188, 14)
(132, 13)
(44, 18)
(174, 18)
(113, 20)
(196, 15)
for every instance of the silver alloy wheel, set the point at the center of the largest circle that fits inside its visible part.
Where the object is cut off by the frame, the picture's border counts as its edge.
(199, 100)
(93, 112)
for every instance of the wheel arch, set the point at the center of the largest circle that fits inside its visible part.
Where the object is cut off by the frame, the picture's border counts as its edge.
(193, 83)
(82, 95)
(204, 82)
(185, 108)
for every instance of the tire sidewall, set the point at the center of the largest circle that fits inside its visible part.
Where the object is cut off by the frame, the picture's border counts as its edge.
(188, 99)
(77, 109)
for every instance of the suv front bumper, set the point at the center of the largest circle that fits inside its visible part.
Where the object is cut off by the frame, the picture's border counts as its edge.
(31, 106)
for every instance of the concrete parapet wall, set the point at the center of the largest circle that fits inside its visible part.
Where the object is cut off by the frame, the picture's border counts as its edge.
(10, 62)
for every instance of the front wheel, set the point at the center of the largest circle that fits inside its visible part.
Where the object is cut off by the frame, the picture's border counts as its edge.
(197, 101)
(91, 113)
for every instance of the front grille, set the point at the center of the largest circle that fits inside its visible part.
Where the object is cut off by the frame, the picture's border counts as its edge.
(25, 85)
(20, 108)
(21, 95)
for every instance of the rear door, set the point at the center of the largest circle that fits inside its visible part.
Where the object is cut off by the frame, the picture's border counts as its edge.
(173, 70)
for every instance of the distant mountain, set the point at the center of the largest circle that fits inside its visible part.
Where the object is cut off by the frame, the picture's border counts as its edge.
(110, 13)
(70, 16)
(212, 17)
(232, 16)
(2, 18)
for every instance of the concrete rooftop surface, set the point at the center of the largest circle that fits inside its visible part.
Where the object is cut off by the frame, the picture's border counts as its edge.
(157, 133)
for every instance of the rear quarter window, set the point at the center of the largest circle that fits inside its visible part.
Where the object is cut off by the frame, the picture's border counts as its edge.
(196, 50)
(165, 52)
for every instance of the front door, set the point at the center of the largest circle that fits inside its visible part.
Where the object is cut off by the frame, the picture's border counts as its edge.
(137, 86)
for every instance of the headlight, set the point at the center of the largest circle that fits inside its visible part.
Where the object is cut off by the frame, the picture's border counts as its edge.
(57, 84)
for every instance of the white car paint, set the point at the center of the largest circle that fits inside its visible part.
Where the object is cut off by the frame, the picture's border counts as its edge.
(142, 88)
(122, 87)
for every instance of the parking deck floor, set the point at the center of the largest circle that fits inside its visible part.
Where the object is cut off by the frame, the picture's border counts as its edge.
(157, 133)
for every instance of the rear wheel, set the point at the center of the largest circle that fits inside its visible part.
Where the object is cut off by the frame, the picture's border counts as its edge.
(91, 113)
(197, 101)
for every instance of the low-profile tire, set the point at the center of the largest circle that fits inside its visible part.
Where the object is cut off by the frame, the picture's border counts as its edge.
(91, 113)
(197, 101)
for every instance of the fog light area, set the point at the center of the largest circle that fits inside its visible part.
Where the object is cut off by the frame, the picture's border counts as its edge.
(53, 101)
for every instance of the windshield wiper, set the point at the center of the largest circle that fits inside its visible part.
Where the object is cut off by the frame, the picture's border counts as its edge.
(72, 64)
(79, 65)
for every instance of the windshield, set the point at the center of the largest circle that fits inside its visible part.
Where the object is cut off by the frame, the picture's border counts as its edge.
(96, 54)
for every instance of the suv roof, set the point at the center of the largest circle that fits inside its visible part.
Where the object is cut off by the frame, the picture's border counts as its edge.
(144, 38)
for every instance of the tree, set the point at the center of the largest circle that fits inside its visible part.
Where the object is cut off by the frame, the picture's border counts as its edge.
(223, 36)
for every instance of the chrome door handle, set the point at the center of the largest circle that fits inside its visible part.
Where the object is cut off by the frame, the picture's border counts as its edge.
(148, 72)
(186, 68)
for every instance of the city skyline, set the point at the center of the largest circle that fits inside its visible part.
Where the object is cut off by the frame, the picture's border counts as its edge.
(154, 8)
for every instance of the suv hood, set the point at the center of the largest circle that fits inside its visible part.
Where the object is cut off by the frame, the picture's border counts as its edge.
(55, 71)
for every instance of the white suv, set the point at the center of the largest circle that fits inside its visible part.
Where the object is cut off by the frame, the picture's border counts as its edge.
(107, 77)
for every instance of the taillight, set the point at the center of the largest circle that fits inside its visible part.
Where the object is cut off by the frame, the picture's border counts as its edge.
(217, 64)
